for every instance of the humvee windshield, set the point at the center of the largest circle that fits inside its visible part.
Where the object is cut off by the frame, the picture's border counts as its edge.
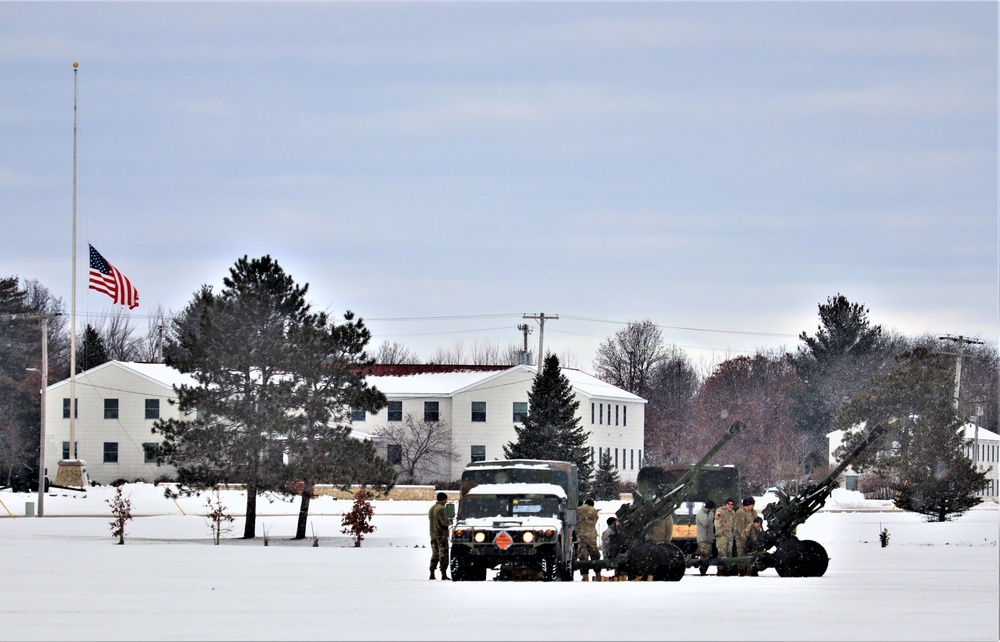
(473, 506)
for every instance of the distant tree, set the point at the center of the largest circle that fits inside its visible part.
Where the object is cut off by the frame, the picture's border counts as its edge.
(423, 446)
(551, 429)
(671, 390)
(239, 347)
(20, 349)
(840, 361)
(149, 348)
(627, 359)
(486, 353)
(607, 483)
(119, 336)
(395, 354)
(357, 523)
(92, 350)
(924, 460)
(753, 389)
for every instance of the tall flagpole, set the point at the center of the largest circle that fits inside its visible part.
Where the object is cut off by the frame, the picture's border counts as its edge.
(72, 316)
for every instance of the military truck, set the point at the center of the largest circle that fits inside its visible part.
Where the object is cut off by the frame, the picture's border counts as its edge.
(515, 516)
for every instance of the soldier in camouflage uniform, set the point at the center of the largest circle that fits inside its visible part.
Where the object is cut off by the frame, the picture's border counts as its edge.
(744, 522)
(725, 533)
(586, 535)
(705, 531)
(439, 525)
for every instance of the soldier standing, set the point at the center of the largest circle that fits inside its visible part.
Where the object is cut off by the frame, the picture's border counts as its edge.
(744, 522)
(725, 533)
(705, 531)
(439, 524)
(586, 548)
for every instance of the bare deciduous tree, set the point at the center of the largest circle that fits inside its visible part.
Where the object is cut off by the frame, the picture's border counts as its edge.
(626, 359)
(395, 354)
(423, 447)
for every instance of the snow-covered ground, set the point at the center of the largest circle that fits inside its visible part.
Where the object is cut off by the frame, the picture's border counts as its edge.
(63, 577)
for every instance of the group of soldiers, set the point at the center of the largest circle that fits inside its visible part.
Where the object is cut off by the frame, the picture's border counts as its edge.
(730, 530)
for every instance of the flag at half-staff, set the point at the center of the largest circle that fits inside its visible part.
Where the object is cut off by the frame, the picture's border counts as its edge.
(105, 278)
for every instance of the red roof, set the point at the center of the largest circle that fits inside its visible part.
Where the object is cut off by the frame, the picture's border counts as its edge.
(403, 370)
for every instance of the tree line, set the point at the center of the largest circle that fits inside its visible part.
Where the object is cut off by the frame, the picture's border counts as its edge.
(258, 350)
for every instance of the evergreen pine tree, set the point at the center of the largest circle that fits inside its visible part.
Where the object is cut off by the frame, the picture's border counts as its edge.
(93, 352)
(925, 464)
(607, 484)
(551, 430)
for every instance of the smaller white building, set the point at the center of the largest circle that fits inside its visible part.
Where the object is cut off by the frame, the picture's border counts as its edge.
(981, 445)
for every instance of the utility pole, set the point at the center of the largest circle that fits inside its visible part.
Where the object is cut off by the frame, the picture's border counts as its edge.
(962, 342)
(526, 330)
(159, 343)
(44, 372)
(541, 318)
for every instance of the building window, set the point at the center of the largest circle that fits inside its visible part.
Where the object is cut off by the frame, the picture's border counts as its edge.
(76, 415)
(640, 458)
(358, 414)
(149, 452)
(111, 409)
(520, 411)
(631, 458)
(394, 453)
(616, 458)
(600, 416)
(616, 414)
(592, 412)
(111, 452)
(65, 449)
(395, 411)
(431, 412)
(478, 453)
(624, 415)
(479, 411)
(152, 409)
(592, 448)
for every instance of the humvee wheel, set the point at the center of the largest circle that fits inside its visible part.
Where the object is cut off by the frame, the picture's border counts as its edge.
(805, 558)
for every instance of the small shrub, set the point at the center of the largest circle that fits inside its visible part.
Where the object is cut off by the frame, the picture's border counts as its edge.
(883, 537)
(121, 509)
(219, 520)
(357, 522)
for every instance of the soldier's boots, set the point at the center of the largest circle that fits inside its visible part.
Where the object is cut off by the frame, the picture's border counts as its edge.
(432, 575)
(586, 578)
(444, 575)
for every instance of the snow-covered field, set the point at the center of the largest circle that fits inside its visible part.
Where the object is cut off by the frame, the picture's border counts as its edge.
(63, 577)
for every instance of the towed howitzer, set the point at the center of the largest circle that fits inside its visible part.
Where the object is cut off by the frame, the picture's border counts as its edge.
(803, 558)
(630, 550)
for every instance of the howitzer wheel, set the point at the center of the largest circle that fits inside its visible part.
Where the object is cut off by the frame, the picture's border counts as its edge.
(664, 562)
(805, 558)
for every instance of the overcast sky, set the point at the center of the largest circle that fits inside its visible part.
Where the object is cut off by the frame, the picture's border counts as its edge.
(443, 169)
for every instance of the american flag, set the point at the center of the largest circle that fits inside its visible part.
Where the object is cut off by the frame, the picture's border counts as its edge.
(105, 278)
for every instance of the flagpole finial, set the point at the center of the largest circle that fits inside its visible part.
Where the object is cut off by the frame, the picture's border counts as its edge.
(75, 65)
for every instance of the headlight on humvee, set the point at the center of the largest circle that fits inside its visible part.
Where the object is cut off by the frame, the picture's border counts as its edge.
(528, 537)
(479, 537)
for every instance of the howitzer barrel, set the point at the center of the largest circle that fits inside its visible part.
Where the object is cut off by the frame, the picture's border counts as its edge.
(785, 515)
(645, 512)
(875, 433)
